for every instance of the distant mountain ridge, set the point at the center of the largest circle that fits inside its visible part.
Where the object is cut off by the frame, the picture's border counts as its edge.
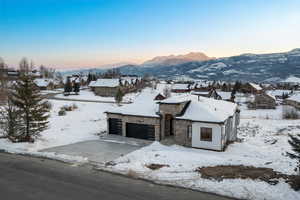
(176, 59)
(270, 67)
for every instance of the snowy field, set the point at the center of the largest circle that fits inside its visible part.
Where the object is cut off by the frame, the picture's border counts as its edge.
(79, 125)
(87, 95)
(263, 142)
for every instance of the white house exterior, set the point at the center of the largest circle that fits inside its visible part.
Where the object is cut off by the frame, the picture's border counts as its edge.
(200, 123)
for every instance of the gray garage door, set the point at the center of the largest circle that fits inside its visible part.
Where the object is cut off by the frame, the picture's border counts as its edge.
(115, 126)
(140, 131)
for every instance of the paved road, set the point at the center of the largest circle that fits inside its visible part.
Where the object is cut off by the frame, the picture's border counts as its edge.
(35, 179)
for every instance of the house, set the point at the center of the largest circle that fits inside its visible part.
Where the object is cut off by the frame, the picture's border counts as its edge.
(106, 87)
(280, 94)
(263, 101)
(294, 101)
(180, 88)
(251, 88)
(209, 94)
(44, 84)
(200, 123)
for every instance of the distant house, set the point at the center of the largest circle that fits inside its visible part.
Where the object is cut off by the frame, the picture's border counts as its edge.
(252, 88)
(180, 88)
(44, 84)
(280, 94)
(106, 87)
(109, 87)
(294, 101)
(263, 101)
(209, 94)
(200, 123)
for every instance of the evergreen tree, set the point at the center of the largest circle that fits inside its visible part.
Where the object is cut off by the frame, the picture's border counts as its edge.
(32, 108)
(119, 96)
(76, 88)
(294, 141)
(68, 87)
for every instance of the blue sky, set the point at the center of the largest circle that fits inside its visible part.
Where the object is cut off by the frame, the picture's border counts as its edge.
(75, 33)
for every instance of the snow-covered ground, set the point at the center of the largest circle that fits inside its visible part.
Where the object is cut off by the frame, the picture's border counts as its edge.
(263, 143)
(89, 95)
(263, 135)
(79, 125)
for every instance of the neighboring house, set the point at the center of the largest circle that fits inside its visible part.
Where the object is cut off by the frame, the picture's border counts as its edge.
(210, 94)
(294, 101)
(91, 85)
(251, 88)
(280, 94)
(263, 101)
(44, 84)
(106, 87)
(201, 123)
(109, 87)
(180, 88)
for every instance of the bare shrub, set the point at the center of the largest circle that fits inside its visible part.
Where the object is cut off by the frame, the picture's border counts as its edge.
(290, 113)
(156, 166)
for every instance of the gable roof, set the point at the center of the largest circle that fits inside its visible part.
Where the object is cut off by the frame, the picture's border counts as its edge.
(41, 82)
(255, 86)
(204, 109)
(208, 110)
(180, 86)
(107, 83)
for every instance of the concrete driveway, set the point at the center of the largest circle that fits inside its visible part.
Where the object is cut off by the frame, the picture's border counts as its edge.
(105, 149)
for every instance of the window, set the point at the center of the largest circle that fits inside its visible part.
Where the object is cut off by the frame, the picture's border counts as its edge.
(189, 132)
(206, 134)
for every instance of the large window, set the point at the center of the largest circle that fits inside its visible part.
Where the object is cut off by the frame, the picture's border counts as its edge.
(206, 134)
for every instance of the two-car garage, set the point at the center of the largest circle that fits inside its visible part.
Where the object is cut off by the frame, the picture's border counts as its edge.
(133, 130)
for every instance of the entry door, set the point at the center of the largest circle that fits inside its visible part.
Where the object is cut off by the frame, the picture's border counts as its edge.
(168, 125)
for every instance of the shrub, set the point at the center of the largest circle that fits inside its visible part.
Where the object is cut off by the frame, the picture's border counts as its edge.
(62, 112)
(290, 113)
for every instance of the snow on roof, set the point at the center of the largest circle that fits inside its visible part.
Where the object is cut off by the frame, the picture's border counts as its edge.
(91, 84)
(208, 110)
(278, 92)
(41, 82)
(142, 106)
(294, 97)
(179, 86)
(256, 86)
(106, 83)
(224, 95)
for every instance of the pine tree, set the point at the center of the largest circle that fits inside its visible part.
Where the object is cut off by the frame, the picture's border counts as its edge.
(119, 96)
(68, 86)
(32, 108)
(294, 141)
(76, 88)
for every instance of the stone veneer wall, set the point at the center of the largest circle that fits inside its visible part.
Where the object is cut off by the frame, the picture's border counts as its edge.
(106, 91)
(181, 132)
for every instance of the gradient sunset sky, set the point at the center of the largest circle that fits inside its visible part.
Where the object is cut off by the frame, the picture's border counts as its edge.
(88, 33)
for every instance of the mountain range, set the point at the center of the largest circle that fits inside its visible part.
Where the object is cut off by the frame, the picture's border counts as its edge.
(270, 67)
